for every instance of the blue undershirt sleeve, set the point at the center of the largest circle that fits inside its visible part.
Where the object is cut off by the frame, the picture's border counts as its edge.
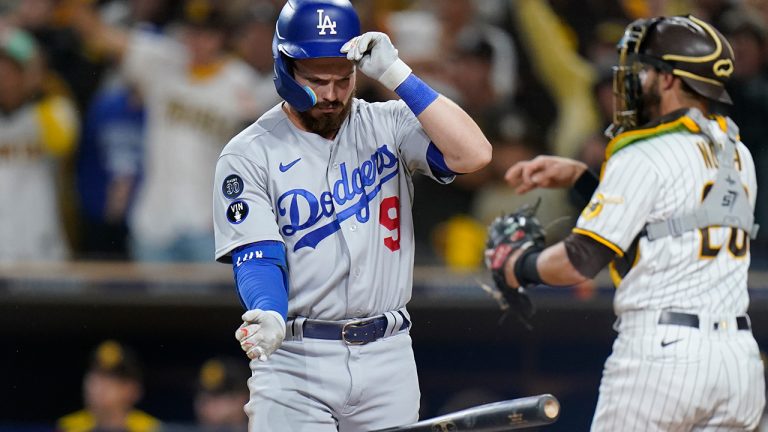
(437, 163)
(261, 276)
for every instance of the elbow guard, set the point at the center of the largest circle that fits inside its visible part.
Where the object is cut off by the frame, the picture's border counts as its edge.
(586, 255)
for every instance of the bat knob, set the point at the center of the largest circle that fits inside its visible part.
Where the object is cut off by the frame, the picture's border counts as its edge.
(551, 408)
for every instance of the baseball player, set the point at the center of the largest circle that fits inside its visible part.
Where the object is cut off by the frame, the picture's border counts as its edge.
(673, 215)
(312, 205)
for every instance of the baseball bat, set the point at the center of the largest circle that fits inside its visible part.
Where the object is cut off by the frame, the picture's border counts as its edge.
(501, 416)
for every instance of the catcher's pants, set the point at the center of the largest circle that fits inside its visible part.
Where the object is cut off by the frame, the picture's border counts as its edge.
(315, 385)
(670, 378)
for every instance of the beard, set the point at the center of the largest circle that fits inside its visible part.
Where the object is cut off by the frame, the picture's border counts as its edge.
(650, 101)
(326, 124)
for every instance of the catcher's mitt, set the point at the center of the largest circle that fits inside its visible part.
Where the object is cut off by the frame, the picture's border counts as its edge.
(507, 234)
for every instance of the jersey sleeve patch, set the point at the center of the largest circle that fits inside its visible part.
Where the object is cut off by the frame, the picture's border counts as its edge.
(232, 186)
(596, 204)
(237, 211)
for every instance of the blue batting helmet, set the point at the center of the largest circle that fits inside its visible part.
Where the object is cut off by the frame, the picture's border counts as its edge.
(309, 29)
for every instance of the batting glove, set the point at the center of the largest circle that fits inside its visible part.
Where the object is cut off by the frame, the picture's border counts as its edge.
(376, 57)
(261, 333)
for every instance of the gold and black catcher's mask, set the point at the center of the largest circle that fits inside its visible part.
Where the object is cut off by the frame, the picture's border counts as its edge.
(684, 46)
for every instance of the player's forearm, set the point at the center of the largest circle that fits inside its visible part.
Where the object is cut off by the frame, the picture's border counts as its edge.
(458, 137)
(551, 266)
(555, 268)
(260, 272)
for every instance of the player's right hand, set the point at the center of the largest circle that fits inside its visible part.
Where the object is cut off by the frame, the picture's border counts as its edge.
(376, 57)
(261, 333)
(544, 172)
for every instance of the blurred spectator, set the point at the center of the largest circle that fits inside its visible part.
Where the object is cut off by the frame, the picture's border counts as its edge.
(61, 48)
(567, 76)
(748, 88)
(464, 32)
(252, 39)
(635, 9)
(472, 71)
(108, 169)
(112, 387)
(196, 97)
(109, 160)
(601, 48)
(38, 130)
(222, 393)
(147, 14)
(592, 150)
(713, 11)
(760, 7)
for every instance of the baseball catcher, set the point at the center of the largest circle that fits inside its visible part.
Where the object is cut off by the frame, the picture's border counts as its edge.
(672, 217)
(515, 233)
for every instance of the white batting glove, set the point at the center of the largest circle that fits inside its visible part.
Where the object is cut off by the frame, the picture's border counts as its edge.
(261, 333)
(376, 57)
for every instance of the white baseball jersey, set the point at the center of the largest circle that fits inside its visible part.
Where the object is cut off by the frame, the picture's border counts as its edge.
(189, 115)
(343, 209)
(31, 228)
(671, 377)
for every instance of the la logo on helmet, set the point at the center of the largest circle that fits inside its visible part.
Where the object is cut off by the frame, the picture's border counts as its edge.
(324, 23)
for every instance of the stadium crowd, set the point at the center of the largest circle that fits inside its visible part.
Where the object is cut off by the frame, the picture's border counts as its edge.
(114, 111)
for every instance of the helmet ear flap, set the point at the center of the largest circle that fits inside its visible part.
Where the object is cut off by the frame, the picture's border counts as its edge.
(302, 98)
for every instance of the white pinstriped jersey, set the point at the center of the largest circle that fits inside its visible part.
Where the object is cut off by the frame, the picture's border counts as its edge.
(664, 176)
(342, 207)
(32, 228)
(189, 116)
(671, 376)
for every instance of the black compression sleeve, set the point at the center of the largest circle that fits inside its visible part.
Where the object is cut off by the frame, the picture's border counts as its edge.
(587, 255)
(525, 270)
(586, 185)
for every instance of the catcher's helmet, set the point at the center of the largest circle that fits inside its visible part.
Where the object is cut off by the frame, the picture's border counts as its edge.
(685, 46)
(309, 29)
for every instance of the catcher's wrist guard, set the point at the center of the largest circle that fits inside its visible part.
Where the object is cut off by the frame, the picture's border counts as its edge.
(525, 270)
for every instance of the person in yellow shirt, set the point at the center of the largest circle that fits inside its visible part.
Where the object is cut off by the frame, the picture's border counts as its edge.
(38, 129)
(112, 387)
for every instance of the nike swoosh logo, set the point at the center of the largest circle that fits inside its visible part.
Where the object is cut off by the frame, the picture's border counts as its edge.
(665, 343)
(284, 168)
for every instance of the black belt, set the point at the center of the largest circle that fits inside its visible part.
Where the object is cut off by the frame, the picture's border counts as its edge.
(354, 332)
(690, 320)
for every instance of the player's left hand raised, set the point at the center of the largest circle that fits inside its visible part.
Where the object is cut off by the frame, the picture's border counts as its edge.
(376, 57)
(261, 333)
